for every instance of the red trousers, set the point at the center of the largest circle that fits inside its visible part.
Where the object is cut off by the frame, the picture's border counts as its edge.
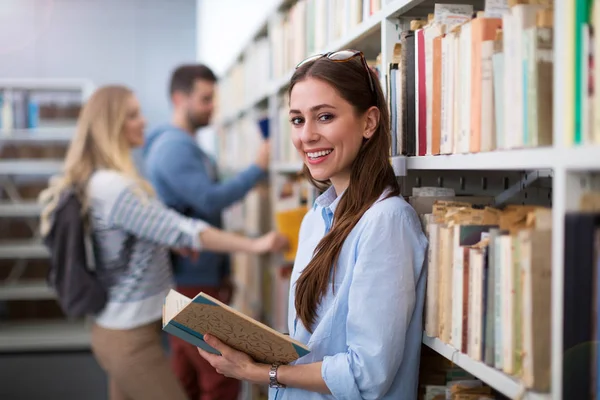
(200, 380)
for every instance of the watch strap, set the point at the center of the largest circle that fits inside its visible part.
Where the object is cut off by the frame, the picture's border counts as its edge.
(273, 382)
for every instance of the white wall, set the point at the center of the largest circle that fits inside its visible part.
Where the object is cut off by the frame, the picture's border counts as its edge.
(132, 42)
(225, 26)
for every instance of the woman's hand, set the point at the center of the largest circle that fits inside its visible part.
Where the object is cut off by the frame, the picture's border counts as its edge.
(187, 252)
(271, 242)
(233, 363)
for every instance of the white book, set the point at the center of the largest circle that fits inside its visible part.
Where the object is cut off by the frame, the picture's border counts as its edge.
(507, 300)
(475, 303)
(488, 127)
(431, 32)
(498, 307)
(446, 112)
(499, 118)
(320, 25)
(521, 17)
(471, 305)
(431, 321)
(456, 92)
(496, 8)
(457, 290)
(510, 61)
(464, 134)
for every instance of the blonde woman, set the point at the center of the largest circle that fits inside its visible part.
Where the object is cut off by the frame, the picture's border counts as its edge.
(126, 337)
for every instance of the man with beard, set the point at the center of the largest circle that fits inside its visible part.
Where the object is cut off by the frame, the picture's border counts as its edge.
(185, 179)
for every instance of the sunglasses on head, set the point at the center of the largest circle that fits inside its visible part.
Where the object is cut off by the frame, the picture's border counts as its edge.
(342, 56)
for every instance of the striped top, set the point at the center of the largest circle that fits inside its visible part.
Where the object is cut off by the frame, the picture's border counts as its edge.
(132, 236)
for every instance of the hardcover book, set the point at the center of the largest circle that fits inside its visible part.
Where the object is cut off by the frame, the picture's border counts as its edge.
(190, 319)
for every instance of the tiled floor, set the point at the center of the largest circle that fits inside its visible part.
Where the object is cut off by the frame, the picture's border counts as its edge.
(51, 376)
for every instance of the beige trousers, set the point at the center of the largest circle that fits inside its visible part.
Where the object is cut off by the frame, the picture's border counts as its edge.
(136, 364)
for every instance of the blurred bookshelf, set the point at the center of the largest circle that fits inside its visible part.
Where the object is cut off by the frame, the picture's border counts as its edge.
(461, 122)
(37, 121)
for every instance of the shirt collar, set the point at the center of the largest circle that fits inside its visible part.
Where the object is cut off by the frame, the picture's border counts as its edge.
(329, 199)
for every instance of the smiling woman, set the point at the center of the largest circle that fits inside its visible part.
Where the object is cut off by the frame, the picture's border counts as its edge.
(357, 288)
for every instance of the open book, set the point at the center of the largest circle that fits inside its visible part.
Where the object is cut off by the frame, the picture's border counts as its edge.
(190, 319)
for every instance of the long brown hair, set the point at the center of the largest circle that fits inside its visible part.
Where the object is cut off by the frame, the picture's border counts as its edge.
(371, 175)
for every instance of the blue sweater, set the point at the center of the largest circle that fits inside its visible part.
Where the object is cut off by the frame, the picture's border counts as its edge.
(185, 179)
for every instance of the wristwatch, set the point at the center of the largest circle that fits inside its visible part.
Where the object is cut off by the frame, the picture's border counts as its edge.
(273, 383)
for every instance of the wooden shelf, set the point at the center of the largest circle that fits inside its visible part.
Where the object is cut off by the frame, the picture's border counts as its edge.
(518, 159)
(23, 166)
(22, 249)
(27, 290)
(20, 210)
(56, 335)
(505, 384)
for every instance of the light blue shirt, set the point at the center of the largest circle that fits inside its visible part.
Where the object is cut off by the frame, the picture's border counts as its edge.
(368, 332)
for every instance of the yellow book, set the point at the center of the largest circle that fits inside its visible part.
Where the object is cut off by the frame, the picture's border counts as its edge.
(288, 224)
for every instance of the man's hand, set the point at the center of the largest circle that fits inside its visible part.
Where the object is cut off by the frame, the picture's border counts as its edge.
(264, 155)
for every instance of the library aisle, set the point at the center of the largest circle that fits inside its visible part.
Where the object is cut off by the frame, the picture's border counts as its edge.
(496, 144)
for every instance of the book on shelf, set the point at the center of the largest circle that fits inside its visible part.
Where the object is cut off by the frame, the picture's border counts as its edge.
(309, 26)
(491, 296)
(22, 108)
(191, 319)
(462, 90)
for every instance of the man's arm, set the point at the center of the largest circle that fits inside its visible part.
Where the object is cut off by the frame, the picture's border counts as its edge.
(187, 178)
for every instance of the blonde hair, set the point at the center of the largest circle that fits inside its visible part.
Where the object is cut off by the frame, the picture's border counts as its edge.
(98, 143)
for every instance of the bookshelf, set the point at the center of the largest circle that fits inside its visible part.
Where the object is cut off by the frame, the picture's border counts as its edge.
(38, 118)
(498, 380)
(573, 169)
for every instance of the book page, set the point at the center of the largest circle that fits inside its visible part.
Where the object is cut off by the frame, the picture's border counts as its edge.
(174, 303)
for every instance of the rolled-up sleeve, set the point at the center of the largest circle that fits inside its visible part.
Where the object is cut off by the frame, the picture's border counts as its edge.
(149, 219)
(381, 301)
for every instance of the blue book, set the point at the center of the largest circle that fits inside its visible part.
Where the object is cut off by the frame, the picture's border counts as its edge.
(190, 319)
(264, 127)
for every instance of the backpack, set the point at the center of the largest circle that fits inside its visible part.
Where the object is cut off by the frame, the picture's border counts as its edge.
(71, 274)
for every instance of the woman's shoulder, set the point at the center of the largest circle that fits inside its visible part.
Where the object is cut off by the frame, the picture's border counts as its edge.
(107, 183)
(393, 214)
(387, 206)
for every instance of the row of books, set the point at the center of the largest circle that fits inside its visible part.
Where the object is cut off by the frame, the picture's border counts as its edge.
(246, 80)
(239, 142)
(285, 150)
(458, 84)
(304, 29)
(309, 26)
(25, 109)
(489, 282)
(32, 150)
(489, 286)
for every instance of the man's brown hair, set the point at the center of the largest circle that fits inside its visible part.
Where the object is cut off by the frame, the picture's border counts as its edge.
(184, 76)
